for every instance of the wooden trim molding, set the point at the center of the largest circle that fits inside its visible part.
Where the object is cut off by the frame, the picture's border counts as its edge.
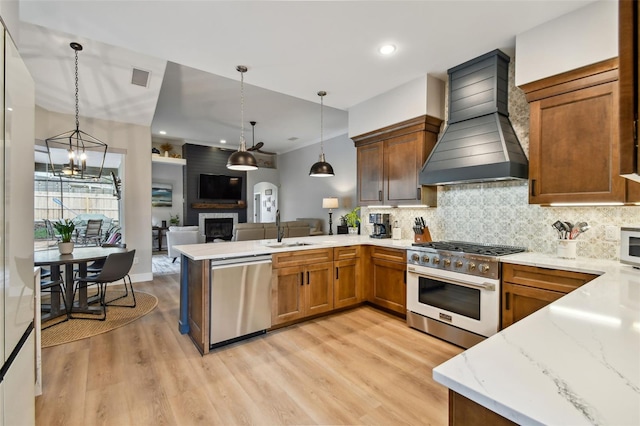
(422, 123)
(580, 78)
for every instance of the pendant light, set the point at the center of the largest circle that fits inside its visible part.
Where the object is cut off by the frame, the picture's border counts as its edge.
(242, 159)
(68, 152)
(321, 168)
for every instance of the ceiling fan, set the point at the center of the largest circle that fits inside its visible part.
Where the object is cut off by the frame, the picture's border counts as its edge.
(254, 146)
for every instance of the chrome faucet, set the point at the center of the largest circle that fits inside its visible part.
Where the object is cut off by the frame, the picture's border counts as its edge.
(280, 232)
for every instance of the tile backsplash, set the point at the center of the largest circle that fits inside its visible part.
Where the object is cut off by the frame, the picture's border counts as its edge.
(500, 213)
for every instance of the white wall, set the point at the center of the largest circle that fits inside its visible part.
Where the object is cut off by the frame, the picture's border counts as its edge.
(583, 37)
(424, 95)
(301, 195)
(260, 175)
(169, 174)
(136, 182)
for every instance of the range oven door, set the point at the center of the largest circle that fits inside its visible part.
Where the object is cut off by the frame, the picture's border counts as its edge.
(463, 301)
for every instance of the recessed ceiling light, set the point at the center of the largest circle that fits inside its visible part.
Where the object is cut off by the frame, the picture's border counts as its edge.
(223, 141)
(387, 49)
(162, 132)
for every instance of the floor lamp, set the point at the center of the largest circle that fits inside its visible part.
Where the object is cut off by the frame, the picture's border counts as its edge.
(330, 203)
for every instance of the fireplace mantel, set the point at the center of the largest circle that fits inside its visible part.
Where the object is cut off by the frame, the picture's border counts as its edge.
(239, 205)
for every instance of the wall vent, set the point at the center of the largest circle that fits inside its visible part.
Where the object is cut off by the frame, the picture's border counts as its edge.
(140, 77)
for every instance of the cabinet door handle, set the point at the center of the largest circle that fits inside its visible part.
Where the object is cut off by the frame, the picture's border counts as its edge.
(418, 193)
(337, 272)
(533, 187)
(301, 278)
(308, 278)
(379, 195)
(507, 296)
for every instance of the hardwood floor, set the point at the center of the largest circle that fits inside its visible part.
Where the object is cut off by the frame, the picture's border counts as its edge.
(361, 366)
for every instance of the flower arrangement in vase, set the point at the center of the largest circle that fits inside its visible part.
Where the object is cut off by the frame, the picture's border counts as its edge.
(65, 228)
(174, 220)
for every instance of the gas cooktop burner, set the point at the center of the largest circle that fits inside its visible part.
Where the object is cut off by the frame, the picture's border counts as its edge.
(471, 248)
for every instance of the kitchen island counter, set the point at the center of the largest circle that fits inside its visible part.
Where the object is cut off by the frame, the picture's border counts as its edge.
(224, 250)
(575, 361)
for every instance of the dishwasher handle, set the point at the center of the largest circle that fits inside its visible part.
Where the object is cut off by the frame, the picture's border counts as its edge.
(246, 261)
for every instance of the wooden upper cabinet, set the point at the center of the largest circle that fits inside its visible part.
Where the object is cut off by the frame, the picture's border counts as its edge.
(370, 167)
(390, 160)
(629, 42)
(574, 137)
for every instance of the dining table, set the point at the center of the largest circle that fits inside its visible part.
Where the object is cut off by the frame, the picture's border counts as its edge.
(80, 257)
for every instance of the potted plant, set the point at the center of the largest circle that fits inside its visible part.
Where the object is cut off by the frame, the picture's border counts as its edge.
(65, 228)
(174, 220)
(353, 220)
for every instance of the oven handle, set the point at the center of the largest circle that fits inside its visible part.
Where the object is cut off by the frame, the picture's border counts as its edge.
(484, 286)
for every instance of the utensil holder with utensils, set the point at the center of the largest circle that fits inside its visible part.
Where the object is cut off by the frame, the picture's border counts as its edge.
(567, 249)
(424, 237)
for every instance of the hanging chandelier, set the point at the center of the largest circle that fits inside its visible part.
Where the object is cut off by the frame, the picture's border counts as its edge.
(321, 168)
(242, 159)
(70, 152)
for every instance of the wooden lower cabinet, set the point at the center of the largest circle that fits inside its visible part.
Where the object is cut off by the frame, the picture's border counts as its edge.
(301, 291)
(520, 301)
(526, 289)
(346, 283)
(465, 412)
(388, 285)
(198, 303)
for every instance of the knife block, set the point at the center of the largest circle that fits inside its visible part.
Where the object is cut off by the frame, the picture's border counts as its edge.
(425, 237)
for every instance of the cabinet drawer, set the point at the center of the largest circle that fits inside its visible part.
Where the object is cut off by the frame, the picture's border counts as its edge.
(301, 257)
(543, 278)
(347, 252)
(393, 255)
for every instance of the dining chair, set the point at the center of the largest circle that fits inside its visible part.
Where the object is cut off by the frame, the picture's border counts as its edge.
(116, 267)
(51, 231)
(55, 288)
(92, 232)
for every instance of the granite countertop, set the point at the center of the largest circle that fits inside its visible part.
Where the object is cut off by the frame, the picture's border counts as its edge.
(260, 247)
(576, 361)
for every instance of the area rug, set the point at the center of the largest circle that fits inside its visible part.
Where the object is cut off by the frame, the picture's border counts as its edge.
(163, 265)
(77, 329)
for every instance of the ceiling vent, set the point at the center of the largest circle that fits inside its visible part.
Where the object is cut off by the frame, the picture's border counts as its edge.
(140, 77)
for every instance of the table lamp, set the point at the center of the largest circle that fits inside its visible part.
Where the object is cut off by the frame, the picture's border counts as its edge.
(330, 203)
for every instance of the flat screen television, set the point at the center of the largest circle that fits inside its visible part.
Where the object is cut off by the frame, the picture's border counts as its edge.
(220, 187)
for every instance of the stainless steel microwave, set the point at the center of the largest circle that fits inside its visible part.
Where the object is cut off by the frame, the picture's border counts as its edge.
(630, 246)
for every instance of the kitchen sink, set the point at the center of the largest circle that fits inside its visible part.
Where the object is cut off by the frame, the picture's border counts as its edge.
(289, 244)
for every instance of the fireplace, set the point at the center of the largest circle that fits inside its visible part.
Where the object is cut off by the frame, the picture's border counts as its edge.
(231, 218)
(218, 228)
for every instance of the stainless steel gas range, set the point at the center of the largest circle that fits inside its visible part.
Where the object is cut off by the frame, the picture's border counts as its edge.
(453, 289)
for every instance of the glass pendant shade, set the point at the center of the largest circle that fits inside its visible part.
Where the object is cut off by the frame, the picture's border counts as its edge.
(242, 160)
(76, 154)
(321, 168)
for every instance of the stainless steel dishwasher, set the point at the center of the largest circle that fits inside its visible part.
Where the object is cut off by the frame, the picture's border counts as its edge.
(240, 298)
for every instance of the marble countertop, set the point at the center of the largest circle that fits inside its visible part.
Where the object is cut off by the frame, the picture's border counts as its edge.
(261, 247)
(574, 362)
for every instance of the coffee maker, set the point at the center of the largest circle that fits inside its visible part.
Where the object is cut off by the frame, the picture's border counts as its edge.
(381, 226)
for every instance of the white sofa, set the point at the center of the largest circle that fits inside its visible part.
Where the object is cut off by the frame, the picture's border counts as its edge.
(177, 235)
